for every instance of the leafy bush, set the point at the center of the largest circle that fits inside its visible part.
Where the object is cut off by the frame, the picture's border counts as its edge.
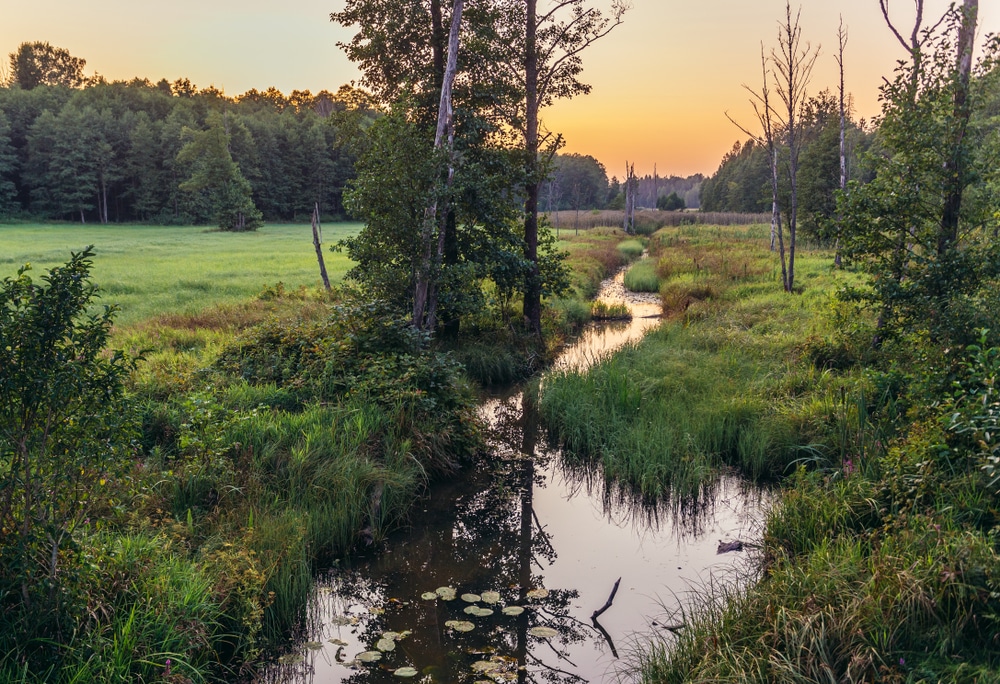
(65, 440)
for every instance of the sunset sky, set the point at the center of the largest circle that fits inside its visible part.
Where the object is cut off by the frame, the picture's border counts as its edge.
(662, 82)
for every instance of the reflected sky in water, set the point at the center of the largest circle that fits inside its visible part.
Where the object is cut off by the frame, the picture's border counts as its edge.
(525, 521)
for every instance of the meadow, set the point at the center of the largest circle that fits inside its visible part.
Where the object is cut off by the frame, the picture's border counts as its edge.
(152, 270)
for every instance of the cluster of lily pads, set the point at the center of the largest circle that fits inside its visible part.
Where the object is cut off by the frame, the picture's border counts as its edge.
(497, 669)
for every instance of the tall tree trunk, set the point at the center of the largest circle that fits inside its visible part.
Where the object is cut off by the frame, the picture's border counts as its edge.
(955, 166)
(533, 284)
(425, 295)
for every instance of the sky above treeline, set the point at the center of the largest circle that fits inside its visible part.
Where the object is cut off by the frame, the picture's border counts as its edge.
(662, 82)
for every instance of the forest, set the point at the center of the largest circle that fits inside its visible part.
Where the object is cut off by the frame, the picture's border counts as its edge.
(399, 473)
(86, 150)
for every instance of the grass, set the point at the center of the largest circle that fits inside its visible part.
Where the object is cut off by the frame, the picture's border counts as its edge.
(879, 561)
(155, 270)
(596, 254)
(721, 384)
(642, 277)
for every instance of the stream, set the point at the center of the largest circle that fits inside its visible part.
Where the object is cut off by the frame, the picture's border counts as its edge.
(500, 572)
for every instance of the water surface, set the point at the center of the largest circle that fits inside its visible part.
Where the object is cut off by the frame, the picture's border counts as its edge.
(537, 533)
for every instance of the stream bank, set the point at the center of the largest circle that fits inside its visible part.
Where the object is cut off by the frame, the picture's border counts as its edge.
(522, 530)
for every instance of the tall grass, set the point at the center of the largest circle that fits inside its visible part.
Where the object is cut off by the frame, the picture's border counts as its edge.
(721, 384)
(649, 221)
(642, 277)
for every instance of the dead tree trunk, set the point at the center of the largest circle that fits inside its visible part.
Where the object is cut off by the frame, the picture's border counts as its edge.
(317, 242)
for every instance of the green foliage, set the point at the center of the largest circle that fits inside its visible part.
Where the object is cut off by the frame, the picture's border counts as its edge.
(65, 439)
(216, 174)
(8, 168)
(576, 181)
(925, 282)
(975, 411)
(119, 142)
(671, 202)
(38, 63)
(365, 352)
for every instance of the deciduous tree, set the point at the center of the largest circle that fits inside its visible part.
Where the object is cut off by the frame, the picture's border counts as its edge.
(38, 63)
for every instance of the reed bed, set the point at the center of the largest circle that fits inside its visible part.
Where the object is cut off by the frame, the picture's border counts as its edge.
(648, 221)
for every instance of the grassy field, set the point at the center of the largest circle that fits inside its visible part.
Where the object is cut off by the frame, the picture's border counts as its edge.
(152, 270)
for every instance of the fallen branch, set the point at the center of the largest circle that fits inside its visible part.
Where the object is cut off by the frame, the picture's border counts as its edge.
(610, 600)
(607, 637)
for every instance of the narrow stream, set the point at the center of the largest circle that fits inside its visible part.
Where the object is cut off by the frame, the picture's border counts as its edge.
(523, 531)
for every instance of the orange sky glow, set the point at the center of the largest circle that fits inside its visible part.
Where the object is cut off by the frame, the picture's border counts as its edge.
(662, 82)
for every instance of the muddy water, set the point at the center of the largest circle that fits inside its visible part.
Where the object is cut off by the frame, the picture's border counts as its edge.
(537, 534)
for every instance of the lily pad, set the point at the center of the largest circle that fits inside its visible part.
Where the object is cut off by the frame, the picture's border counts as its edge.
(386, 645)
(446, 593)
(338, 642)
(485, 666)
(538, 593)
(391, 635)
(543, 632)
(340, 620)
(478, 612)
(491, 597)
(463, 626)
(513, 610)
(313, 645)
(429, 596)
(471, 598)
(406, 672)
(370, 656)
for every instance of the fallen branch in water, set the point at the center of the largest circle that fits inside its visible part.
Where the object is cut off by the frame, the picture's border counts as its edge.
(607, 605)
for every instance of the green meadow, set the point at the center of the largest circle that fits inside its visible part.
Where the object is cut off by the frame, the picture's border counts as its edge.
(152, 270)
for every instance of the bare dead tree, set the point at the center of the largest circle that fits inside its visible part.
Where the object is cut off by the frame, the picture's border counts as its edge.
(766, 117)
(841, 45)
(631, 187)
(793, 64)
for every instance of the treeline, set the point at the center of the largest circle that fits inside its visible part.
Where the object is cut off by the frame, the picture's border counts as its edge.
(742, 182)
(579, 181)
(137, 151)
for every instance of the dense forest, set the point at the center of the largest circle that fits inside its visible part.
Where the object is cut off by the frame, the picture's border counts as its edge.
(89, 150)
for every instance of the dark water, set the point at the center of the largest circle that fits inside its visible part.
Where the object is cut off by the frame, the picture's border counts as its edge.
(537, 533)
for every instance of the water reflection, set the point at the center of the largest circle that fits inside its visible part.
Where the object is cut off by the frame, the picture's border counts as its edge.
(530, 531)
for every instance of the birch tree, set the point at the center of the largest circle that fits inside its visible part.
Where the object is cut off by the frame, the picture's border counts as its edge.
(425, 297)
